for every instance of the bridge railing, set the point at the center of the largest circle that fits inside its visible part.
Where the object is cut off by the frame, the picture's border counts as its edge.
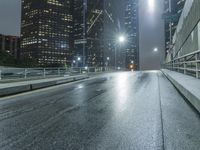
(31, 73)
(188, 64)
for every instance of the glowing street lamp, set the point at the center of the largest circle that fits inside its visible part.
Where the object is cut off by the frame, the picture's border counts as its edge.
(79, 58)
(151, 5)
(155, 49)
(122, 39)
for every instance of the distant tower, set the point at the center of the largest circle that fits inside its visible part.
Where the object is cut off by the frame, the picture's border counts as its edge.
(46, 29)
(132, 31)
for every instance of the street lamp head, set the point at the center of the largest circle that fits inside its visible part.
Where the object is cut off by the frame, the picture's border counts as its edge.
(79, 58)
(122, 39)
(151, 4)
(74, 61)
(108, 58)
(155, 49)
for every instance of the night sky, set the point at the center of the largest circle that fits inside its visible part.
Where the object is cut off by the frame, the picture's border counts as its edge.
(151, 29)
(10, 11)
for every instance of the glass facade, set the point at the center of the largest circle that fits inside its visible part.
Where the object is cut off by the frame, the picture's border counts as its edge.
(47, 28)
(88, 31)
(95, 28)
(132, 31)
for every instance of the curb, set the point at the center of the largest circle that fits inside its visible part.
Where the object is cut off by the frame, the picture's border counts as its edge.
(190, 96)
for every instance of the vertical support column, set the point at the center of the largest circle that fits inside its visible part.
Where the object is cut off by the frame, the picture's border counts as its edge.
(197, 64)
(25, 73)
(0, 74)
(44, 72)
(173, 65)
(184, 65)
(58, 71)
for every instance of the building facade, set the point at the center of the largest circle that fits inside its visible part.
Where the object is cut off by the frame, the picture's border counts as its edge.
(46, 31)
(88, 32)
(172, 13)
(95, 30)
(10, 45)
(79, 32)
(132, 33)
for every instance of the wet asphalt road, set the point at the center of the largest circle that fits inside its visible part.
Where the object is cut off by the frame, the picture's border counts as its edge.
(119, 111)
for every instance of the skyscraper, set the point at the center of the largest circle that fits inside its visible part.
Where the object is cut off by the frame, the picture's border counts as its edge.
(132, 31)
(172, 13)
(46, 29)
(88, 31)
(95, 28)
(109, 32)
(79, 31)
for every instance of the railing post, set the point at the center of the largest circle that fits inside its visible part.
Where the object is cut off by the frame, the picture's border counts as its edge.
(25, 73)
(0, 74)
(184, 66)
(58, 71)
(44, 72)
(197, 65)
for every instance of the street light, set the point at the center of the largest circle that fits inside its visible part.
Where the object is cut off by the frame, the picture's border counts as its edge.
(155, 49)
(108, 58)
(122, 39)
(79, 58)
(151, 4)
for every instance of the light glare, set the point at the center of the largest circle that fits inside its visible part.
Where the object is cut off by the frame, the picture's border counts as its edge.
(151, 4)
(155, 49)
(121, 39)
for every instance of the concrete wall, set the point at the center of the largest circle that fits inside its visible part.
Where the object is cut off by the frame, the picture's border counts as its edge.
(187, 35)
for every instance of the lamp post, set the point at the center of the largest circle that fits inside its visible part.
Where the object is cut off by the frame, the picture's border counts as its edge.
(121, 40)
(155, 50)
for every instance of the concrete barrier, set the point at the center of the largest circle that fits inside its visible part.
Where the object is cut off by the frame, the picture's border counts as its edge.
(40, 85)
(65, 81)
(9, 89)
(188, 86)
(14, 90)
(81, 77)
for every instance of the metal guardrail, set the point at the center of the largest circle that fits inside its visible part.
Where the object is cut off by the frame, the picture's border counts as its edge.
(188, 64)
(31, 73)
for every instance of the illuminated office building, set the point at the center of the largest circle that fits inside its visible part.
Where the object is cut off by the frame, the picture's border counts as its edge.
(88, 31)
(132, 31)
(46, 31)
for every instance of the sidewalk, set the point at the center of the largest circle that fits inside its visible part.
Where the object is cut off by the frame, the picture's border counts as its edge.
(24, 86)
(187, 85)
